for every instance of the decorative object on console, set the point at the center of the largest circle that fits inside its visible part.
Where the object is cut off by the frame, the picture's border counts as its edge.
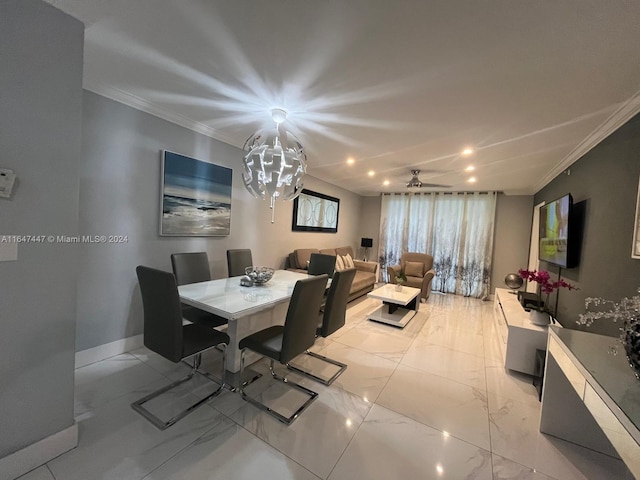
(259, 275)
(627, 311)
(275, 163)
(513, 281)
(540, 314)
(366, 243)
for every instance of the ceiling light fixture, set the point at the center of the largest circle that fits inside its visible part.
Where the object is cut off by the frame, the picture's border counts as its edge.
(472, 180)
(371, 173)
(470, 168)
(350, 161)
(275, 163)
(386, 183)
(467, 151)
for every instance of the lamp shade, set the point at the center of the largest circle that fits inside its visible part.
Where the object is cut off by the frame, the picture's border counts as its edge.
(366, 242)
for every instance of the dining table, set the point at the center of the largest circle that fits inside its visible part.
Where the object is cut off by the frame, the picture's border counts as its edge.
(247, 308)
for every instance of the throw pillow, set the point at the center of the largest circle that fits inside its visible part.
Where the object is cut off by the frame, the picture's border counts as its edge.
(348, 261)
(413, 269)
(339, 263)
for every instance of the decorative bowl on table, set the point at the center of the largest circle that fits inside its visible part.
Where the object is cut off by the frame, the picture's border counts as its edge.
(259, 275)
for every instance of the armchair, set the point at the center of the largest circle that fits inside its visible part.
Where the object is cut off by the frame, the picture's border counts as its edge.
(418, 268)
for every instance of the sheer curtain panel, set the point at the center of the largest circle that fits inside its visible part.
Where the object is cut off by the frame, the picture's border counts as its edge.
(456, 228)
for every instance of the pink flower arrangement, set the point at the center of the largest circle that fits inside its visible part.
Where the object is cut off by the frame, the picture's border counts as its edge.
(545, 285)
(544, 280)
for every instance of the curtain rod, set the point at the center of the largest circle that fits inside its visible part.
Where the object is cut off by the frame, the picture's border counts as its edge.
(435, 193)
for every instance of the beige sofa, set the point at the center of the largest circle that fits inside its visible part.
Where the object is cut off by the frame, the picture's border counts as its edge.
(366, 272)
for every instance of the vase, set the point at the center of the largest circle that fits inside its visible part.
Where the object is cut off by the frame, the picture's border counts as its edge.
(538, 317)
(631, 341)
(398, 288)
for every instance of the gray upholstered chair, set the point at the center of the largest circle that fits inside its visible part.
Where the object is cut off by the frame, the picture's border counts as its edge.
(237, 260)
(418, 268)
(320, 263)
(193, 267)
(332, 318)
(165, 335)
(284, 342)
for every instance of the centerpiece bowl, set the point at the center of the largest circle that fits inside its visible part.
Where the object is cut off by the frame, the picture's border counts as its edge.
(259, 275)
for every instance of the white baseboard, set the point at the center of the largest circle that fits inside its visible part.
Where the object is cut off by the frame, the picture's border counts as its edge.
(18, 463)
(95, 354)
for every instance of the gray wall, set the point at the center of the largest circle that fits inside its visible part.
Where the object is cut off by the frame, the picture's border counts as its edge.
(120, 195)
(40, 124)
(606, 180)
(512, 235)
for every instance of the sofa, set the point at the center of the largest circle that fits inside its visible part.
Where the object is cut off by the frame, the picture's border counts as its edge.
(418, 268)
(366, 272)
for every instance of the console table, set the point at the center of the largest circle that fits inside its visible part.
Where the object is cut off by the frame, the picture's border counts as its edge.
(591, 397)
(523, 337)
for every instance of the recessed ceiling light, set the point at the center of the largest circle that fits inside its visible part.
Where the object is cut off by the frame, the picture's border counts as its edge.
(350, 161)
(371, 173)
(470, 168)
(386, 183)
(472, 180)
(467, 151)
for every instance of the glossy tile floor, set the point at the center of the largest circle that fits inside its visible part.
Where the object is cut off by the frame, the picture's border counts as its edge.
(432, 401)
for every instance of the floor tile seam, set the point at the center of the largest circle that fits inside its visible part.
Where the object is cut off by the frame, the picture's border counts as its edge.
(262, 440)
(133, 357)
(444, 377)
(364, 351)
(449, 348)
(192, 443)
(421, 422)
(364, 418)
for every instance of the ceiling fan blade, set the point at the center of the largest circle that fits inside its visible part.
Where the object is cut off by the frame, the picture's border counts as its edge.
(434, 185)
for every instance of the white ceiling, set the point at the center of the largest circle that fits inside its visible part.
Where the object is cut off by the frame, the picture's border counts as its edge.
(531, 85)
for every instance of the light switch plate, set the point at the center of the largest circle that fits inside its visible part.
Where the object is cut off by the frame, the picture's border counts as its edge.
(8, 251)
(7, 179)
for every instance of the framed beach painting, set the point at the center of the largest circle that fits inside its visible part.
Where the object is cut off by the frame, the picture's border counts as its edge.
(195, 197)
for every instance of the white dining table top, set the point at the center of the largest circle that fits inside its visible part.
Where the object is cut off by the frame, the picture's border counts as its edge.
(226, 298)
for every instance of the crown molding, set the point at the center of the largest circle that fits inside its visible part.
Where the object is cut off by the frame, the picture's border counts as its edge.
(141, 104)
(618, 118)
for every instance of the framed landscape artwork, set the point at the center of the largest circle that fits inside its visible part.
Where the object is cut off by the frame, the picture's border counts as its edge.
(315, 212)
(635, 250)
(195, 197)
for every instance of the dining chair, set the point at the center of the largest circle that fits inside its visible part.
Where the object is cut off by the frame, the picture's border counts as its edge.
(320, 263)
(284, 342)
(332, 318)
(165, 334)
(237, 260)
(193, 267)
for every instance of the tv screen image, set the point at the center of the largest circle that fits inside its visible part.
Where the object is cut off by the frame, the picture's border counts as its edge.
(555, 231)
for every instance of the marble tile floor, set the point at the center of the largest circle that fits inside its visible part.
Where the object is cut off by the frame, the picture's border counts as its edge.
(431, 401)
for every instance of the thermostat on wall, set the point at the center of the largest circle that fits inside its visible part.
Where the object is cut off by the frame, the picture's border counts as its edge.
(7, 179)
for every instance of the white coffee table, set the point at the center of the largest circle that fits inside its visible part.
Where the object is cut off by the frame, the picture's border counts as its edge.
(398, 307)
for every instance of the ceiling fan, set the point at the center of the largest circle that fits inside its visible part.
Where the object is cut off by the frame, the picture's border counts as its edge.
(415, 182)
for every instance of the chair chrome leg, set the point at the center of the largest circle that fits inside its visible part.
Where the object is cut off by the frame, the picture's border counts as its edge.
(325, 381)
(163, 425)
(287, 420)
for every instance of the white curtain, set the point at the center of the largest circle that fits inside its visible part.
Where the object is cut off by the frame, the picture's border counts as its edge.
(456, 228)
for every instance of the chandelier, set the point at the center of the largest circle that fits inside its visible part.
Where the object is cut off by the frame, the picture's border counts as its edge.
(275, 163)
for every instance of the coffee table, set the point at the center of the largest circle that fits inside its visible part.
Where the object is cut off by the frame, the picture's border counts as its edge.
(398, 307)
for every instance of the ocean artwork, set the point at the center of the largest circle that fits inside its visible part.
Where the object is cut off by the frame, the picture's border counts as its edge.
(196, 197)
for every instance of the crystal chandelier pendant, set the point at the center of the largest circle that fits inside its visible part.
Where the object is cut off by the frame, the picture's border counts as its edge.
(275, 163)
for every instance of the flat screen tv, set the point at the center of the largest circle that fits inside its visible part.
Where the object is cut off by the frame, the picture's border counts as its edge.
(557, 235)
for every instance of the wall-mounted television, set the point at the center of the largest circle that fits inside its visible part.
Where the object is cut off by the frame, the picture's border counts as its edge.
(558, 233)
